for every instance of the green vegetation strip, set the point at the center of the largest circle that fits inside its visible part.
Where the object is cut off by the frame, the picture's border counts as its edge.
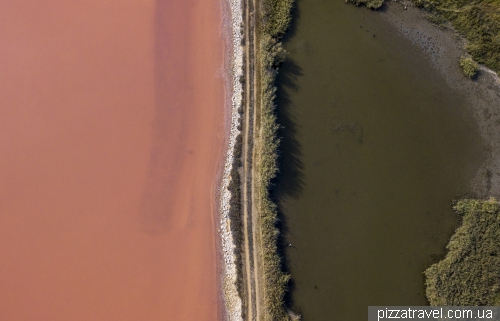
(275, 19)
(469, 275)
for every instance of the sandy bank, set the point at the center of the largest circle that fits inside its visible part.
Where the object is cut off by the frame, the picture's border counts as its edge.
(443, 48)
(111, 132)
(233, 19)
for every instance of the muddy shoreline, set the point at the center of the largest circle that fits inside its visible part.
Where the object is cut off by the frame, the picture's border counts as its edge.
(443, 48)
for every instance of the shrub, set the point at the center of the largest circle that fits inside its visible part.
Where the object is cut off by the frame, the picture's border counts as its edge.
(370, 4)
(478, 21)
(469, 66)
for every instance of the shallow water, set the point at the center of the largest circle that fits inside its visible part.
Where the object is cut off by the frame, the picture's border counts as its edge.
(375, 148)
(111, 134)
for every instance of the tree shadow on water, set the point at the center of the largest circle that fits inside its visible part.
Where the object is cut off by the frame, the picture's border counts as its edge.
(290, 179)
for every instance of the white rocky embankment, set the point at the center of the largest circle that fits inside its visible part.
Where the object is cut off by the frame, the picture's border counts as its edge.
(231, 297)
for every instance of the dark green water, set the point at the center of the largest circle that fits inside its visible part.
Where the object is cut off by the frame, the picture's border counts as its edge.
(375, 147)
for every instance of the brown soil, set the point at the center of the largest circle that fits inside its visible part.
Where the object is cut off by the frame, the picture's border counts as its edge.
(111, 134)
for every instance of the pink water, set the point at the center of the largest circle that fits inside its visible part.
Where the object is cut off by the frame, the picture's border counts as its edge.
(111, 131)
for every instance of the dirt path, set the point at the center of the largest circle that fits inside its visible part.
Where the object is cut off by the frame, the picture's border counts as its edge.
(249, 212)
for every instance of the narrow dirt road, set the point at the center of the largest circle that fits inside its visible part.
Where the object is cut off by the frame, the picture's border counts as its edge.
(250, 270)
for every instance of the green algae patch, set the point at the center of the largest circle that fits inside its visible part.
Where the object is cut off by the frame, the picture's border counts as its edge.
(469, 275)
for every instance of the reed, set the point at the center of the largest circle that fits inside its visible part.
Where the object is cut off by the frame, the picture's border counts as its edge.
(469, 275)
(275, 19)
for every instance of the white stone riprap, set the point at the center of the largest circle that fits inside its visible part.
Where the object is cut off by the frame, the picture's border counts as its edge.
(231, 297)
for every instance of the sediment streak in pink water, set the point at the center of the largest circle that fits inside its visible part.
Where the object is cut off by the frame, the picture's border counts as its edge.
(111, 131)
